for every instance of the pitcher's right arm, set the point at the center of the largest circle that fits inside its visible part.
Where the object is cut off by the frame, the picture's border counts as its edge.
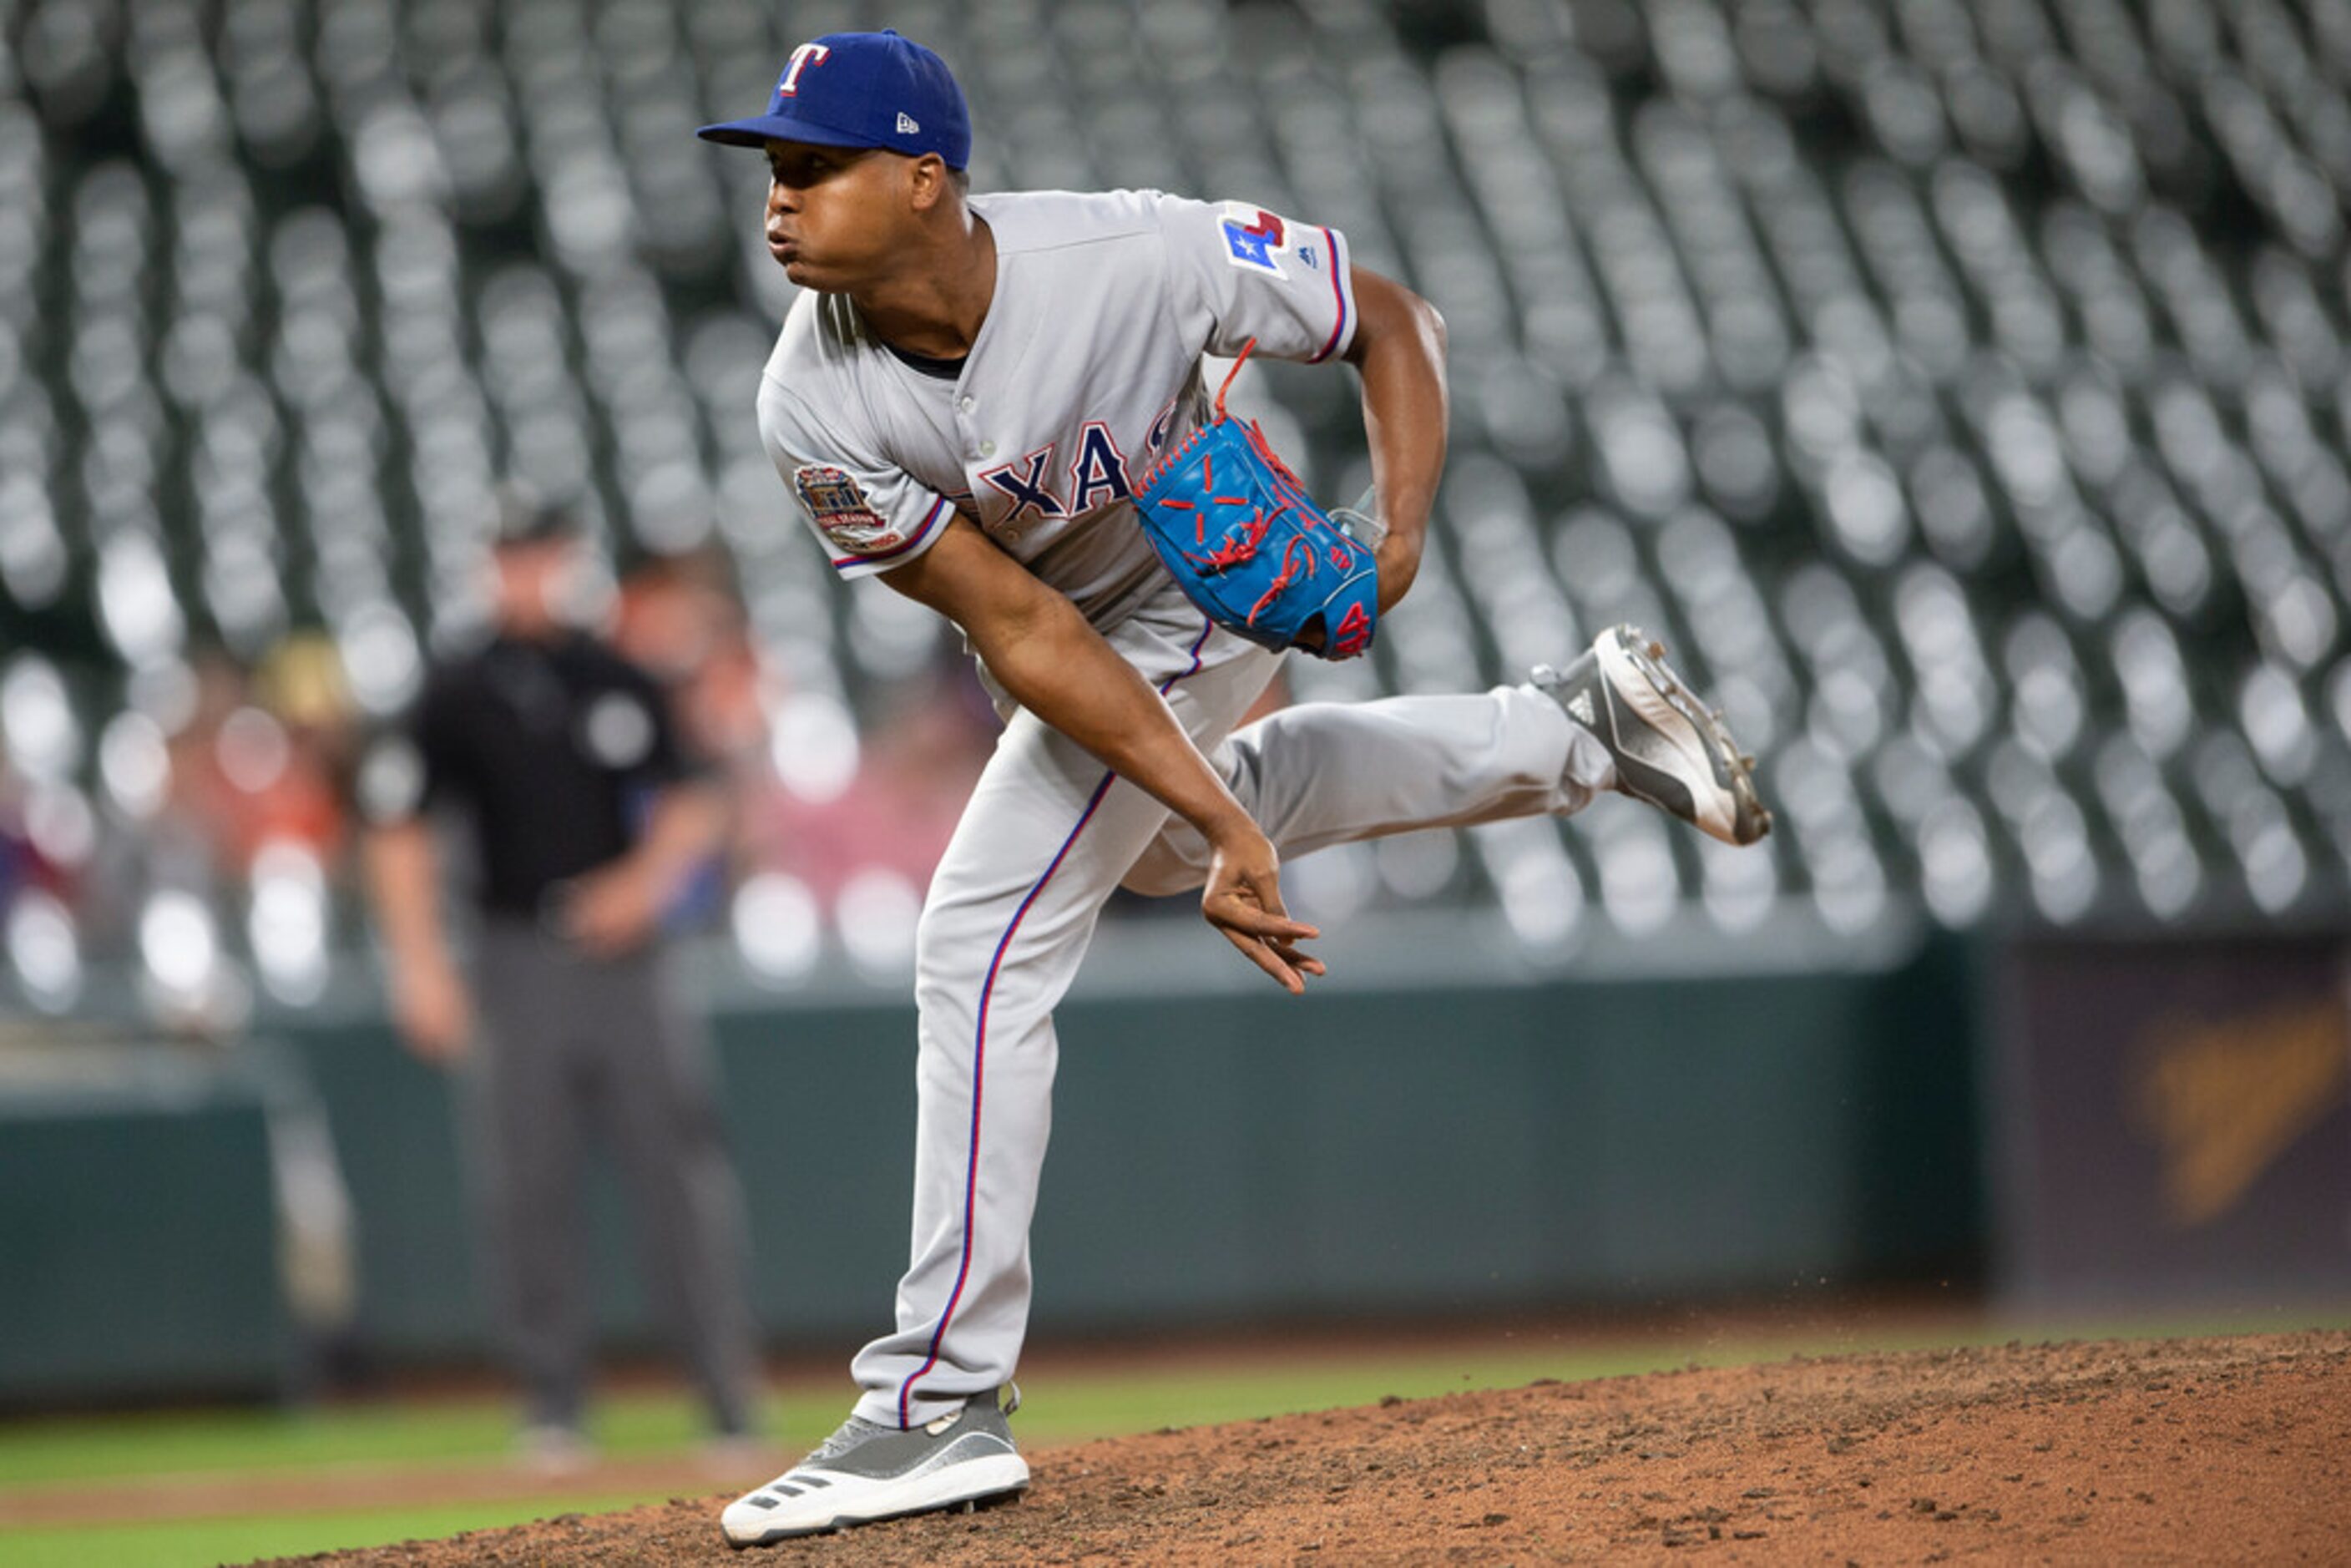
(1052, 662)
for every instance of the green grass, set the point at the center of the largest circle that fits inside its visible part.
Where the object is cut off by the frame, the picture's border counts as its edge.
(1068, 1402)
(98, 1447)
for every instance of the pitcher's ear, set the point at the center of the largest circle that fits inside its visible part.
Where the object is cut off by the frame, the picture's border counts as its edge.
(929, 182)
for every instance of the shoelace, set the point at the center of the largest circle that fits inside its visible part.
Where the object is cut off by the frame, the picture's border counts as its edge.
(849, 1435)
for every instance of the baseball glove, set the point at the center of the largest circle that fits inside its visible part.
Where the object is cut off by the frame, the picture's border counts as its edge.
(1249, 545)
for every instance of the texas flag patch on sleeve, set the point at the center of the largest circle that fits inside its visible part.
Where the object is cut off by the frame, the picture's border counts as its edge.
(840, 511)
(1253, 237)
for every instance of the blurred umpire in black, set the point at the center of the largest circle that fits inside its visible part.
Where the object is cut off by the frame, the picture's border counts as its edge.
(585, 821)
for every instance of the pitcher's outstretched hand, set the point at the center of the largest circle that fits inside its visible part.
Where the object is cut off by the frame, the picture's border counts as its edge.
(1243, 900)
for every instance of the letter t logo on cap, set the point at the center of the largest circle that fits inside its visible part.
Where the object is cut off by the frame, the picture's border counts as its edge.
(807, 55)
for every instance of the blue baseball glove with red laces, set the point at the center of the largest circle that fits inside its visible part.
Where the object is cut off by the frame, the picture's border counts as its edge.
(1250, 547)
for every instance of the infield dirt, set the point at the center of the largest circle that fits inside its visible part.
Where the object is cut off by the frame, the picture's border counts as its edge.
(2211, 1450)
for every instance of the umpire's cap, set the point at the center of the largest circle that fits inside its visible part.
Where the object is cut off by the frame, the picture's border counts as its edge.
(524, 520)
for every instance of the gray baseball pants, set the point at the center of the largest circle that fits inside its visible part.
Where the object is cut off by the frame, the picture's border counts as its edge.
(1047, 836)
(570, 1047)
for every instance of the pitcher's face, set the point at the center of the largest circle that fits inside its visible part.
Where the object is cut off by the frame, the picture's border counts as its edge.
(836, 215)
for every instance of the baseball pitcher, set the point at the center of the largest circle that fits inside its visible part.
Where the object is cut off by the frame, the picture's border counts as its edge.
(994, 403)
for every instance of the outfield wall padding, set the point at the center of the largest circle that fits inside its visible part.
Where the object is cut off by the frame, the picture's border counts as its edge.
(1236, 1156)
(138, 1229)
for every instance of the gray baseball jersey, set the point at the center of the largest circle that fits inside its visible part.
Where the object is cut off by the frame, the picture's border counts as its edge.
(1086, 367)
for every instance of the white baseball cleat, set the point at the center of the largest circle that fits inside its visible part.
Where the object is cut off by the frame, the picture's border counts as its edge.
(866, 1472)
(1669, 750)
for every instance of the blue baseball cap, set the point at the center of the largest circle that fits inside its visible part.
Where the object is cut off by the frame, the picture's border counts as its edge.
(861, 89)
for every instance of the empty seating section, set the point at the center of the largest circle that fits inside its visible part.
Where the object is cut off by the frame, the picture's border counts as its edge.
(1958, 386)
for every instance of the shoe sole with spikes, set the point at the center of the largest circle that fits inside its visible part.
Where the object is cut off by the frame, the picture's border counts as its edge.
(1670, 749)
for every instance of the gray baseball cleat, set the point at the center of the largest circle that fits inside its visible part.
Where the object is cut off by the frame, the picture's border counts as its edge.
(1670, 749)
(866, 1472)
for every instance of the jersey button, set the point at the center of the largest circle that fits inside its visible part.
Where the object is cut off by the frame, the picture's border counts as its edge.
(964, 403)
(987, 449)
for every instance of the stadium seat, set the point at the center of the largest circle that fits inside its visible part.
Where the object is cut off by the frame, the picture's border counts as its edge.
(1961, 388)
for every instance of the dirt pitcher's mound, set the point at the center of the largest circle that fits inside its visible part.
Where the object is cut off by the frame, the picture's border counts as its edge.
(2190, 1451)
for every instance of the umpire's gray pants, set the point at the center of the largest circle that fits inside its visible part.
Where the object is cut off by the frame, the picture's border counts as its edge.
(571, 1044)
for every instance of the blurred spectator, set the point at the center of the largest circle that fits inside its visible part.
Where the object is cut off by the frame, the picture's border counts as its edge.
(586, 819)
(22, 863)
(242, 775)
(679, 620)
(916, 764)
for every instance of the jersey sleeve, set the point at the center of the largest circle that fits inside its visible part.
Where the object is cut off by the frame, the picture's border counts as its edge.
(1242, 272)
(868, 515)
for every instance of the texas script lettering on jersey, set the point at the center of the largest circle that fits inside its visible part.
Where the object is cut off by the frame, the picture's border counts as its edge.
(1097, 478)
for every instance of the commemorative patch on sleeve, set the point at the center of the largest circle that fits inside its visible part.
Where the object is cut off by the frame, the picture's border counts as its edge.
(837, 504)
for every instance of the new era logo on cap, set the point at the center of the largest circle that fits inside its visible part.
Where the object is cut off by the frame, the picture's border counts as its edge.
(861, 89)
